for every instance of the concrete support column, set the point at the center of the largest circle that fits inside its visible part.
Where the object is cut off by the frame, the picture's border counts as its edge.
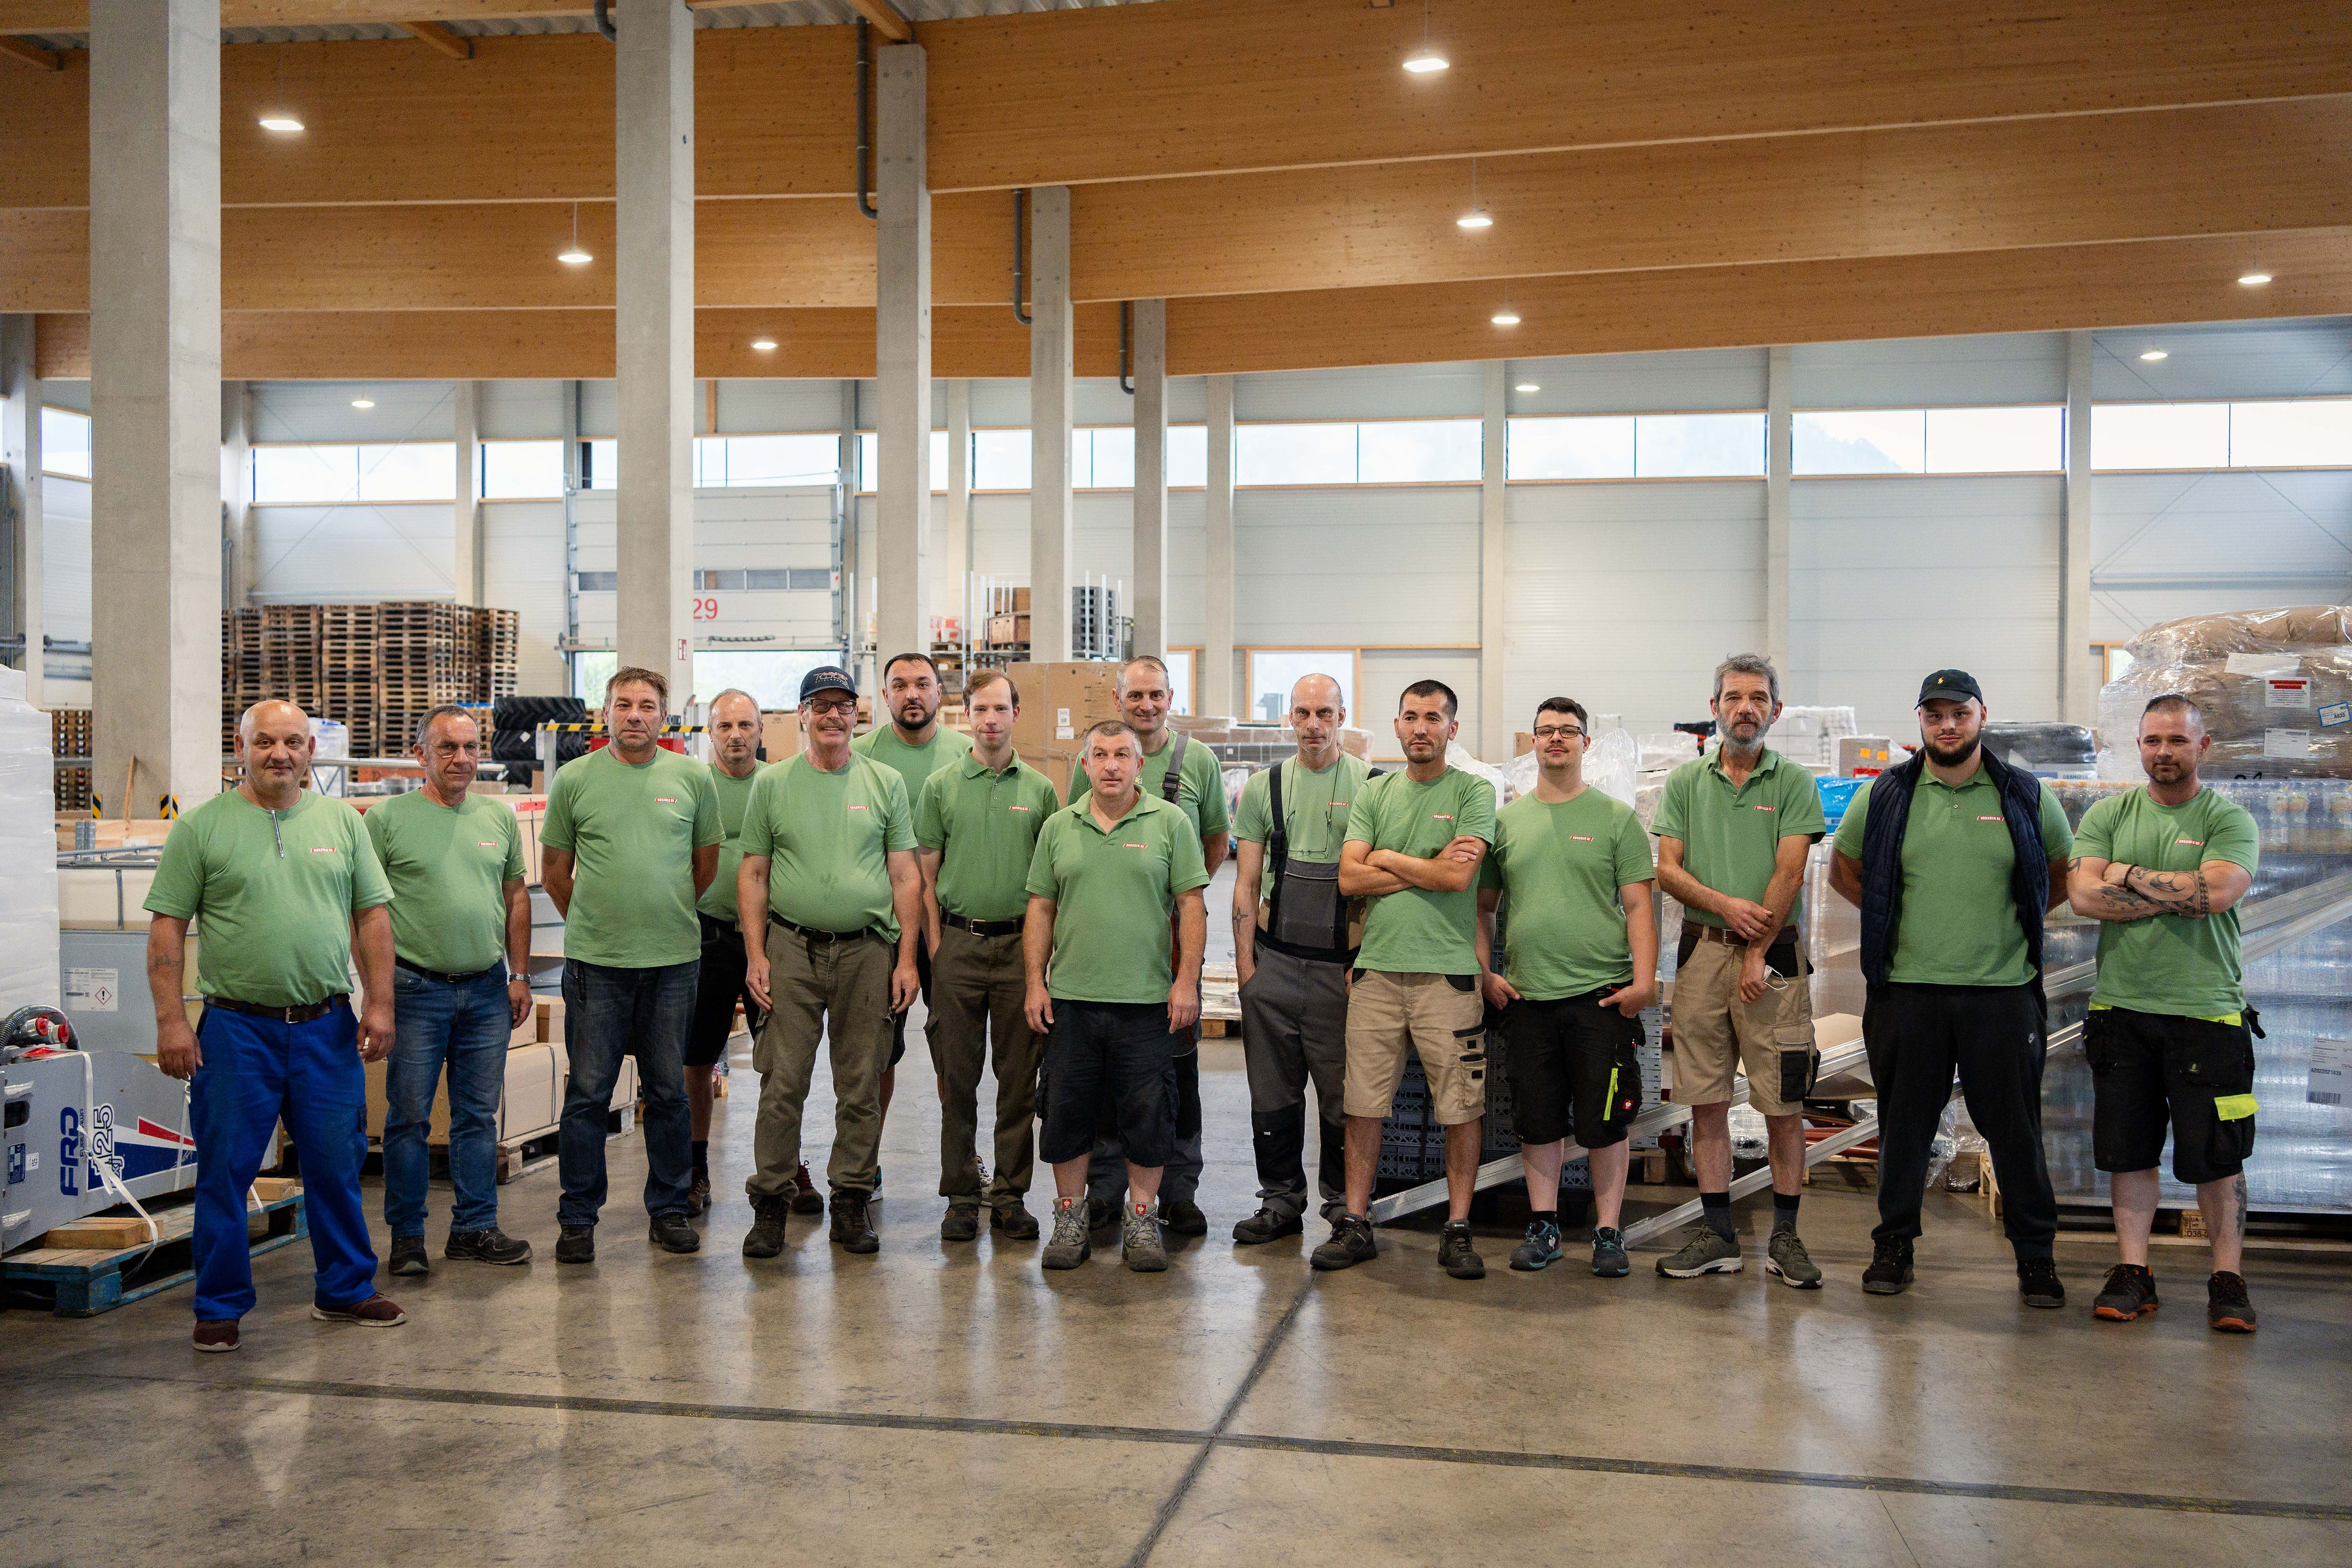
(20, 489)
(653, 276)
(466, 512)
(1780, 427)
(902, 323)
(237, 494)
(1494, 719)
(1151, 477)
(155, 372)
(1216, 675)
(1052, 394)
(959, 515)
(2079, 674)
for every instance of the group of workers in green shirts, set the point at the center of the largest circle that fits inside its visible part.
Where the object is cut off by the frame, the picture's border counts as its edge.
(1060, 945)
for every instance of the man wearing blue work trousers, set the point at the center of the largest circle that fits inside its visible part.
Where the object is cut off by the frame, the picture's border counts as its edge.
(282, 886)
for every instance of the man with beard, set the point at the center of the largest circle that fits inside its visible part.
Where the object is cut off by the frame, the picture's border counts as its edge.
(1187, 777)
(914, 744)
(2169, 1036)
(1734, 828)
(734, 730)
(831, 904)
(1954, 859)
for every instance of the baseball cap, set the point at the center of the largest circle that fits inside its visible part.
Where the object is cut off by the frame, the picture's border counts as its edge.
(826, 678)
(1948, 686)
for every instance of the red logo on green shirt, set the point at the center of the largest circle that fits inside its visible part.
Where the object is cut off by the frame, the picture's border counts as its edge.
(1988, 819)
(1134, 846)
(1764, 809)
(664, 800)
(857, 806)
(2193, 843)
(1581, 837)
(1016, 808)
(323, 849)
(1441, 816)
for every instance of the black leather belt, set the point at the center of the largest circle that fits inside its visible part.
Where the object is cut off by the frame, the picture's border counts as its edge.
(447, 978)
(981, 928)
(812, 934)
(310, 1013)
(1724, 935)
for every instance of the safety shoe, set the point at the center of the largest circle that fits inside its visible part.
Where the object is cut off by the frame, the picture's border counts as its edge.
(1072, 1240)
(962, 1222)
(217, 1336)
(1786, 1259)
(1889, 1273)
(1454, 1253)
(2129, 1293)
(670, 1232)
(806, 1199)
(1352, 1242)
(408, 1256)
(488, 1245)
(2038, 1282)
(376, 1312)
(1608, 1259)
(1182, 1217)
(2227, 1308)
(1705, 1250)
(766, 1237)
(1266, 1226)
(1139, 1246)
(1014, 1219)
(576, 1245)
(1101, 1214)
(1540, 1248)
(698, 1197)
(850, 1226)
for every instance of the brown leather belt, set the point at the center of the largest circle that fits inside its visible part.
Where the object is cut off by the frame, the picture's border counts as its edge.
(1724, 935)
(309, 1013)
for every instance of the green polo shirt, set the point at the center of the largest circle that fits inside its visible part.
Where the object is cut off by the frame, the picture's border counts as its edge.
(1414, 931)
(632, 829)
(2170, 964)
(830, 837)
(1958, 923)
(1315, 805)
(272, 895)
(1730, 835)
(1562, 864)
(448, 868)
(913, 765)
(1113, 893)
(718, 901)
(984, 824)
(1200, 791)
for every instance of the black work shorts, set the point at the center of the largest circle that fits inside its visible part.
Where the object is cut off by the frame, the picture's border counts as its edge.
(2150, 1070)
(1110, 1072)
(1573, 1067)
(717, 986)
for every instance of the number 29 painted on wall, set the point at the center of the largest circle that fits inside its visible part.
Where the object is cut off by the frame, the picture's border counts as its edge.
(706, 609)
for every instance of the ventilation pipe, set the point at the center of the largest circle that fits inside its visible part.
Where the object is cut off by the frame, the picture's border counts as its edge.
(1020, 251)
(865, 117)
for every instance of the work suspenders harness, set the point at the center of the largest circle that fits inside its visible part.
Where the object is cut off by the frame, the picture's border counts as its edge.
(1306, 916)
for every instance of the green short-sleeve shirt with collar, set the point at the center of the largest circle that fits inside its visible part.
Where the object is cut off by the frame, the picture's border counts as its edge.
(2170, 964)
(734, 794)
(1315, 805)
(1958, 923)
(829, 836)
(1199, 790)
(448, 868)
(1414, 931)
(272, 895)
(1563, 863)
(632, 829)
(1113, 893)
(984, 824)
(913, 765)
(1729, 837)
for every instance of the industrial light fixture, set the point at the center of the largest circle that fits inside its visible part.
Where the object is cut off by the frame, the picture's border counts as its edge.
(279, 120)
(285, 124)
(1477, 217)
(363, 402)
(1505, 316)
(2252, 279)
(2152, 355)
(1425, 60)
(1526, 386)
(574, 257)
(764, 345)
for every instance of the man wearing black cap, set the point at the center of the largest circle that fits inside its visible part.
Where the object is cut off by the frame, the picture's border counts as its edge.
(1954, 859)
(829, 880)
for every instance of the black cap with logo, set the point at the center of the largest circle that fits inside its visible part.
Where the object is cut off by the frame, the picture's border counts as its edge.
(826, 678)
(1948, 686)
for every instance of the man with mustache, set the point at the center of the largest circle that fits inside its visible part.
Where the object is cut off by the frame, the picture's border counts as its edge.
(1954, 860)
(733, 725)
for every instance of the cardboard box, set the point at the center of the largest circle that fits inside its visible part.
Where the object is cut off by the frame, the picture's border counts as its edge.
(542, 1024)
(1007, 629)
(780, 734)
(1019, 601)
(1058, 702)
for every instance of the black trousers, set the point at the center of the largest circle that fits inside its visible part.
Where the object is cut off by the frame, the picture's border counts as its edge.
(1991, 1036)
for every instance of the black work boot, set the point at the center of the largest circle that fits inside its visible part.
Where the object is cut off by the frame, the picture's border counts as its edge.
(671, 1233)
(488, 1245)
(576, 1245)
(766, 1237)
(850, 1226)
(408, 1256)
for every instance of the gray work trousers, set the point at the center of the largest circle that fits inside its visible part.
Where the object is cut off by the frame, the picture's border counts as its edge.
(978, 987)
(1295, 1029)
(838, 991)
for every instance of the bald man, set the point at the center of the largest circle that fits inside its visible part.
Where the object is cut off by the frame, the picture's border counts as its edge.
(285, 887)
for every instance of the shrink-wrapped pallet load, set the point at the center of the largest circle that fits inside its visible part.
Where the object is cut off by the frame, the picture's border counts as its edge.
(2275, 686)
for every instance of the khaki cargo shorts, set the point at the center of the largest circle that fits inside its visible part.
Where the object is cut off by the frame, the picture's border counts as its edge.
(1390, 1013)
(1771, 1038)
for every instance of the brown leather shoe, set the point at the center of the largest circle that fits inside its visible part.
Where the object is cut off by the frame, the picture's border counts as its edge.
(376, 1312)
(217, 1335)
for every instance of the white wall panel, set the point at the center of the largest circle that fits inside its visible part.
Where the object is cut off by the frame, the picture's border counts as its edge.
(2168, 545)
(360, 551)
(67, 394)
(1388, 391)
(1384, 673)
(322, 411)
(521, 410)
(65, 556)
(1929, 373)
(1350, 566)
(523, 571)
(770, 407)
(1690, 380)
(2224, 360)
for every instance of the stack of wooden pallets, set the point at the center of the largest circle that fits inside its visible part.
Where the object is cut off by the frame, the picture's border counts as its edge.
(420, 665)
(349, 647)
(494, 643)
(289, 654)
(241, 676)
(376, 668)
(69, 736)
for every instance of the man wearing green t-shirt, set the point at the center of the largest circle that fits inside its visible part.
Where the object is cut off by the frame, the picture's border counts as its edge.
(976, 830)
(2169, 1036)
(284, 888)
(461, 946)
(1197, 788)
(1414, 843)
(629, 843)
(1292, 950)
(1583, 950)
(733, 724)
(831, 903)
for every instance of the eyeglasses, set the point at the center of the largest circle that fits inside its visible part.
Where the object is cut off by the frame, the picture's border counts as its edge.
(840, 705)
(1554, 731)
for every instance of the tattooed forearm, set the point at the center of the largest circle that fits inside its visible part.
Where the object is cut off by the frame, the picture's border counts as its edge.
(2239, 1192)
(2180, 892)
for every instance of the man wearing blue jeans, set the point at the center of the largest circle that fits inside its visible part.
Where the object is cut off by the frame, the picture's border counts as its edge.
(630, 842)
(455, 862)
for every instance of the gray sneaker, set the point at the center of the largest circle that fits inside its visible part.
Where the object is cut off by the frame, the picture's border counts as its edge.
(1787, 1261)
(1703, 1252)
(1070, 1245)
(1140, 1244)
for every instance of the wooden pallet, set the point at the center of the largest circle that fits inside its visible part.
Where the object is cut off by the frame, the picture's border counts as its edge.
(82, 1282)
